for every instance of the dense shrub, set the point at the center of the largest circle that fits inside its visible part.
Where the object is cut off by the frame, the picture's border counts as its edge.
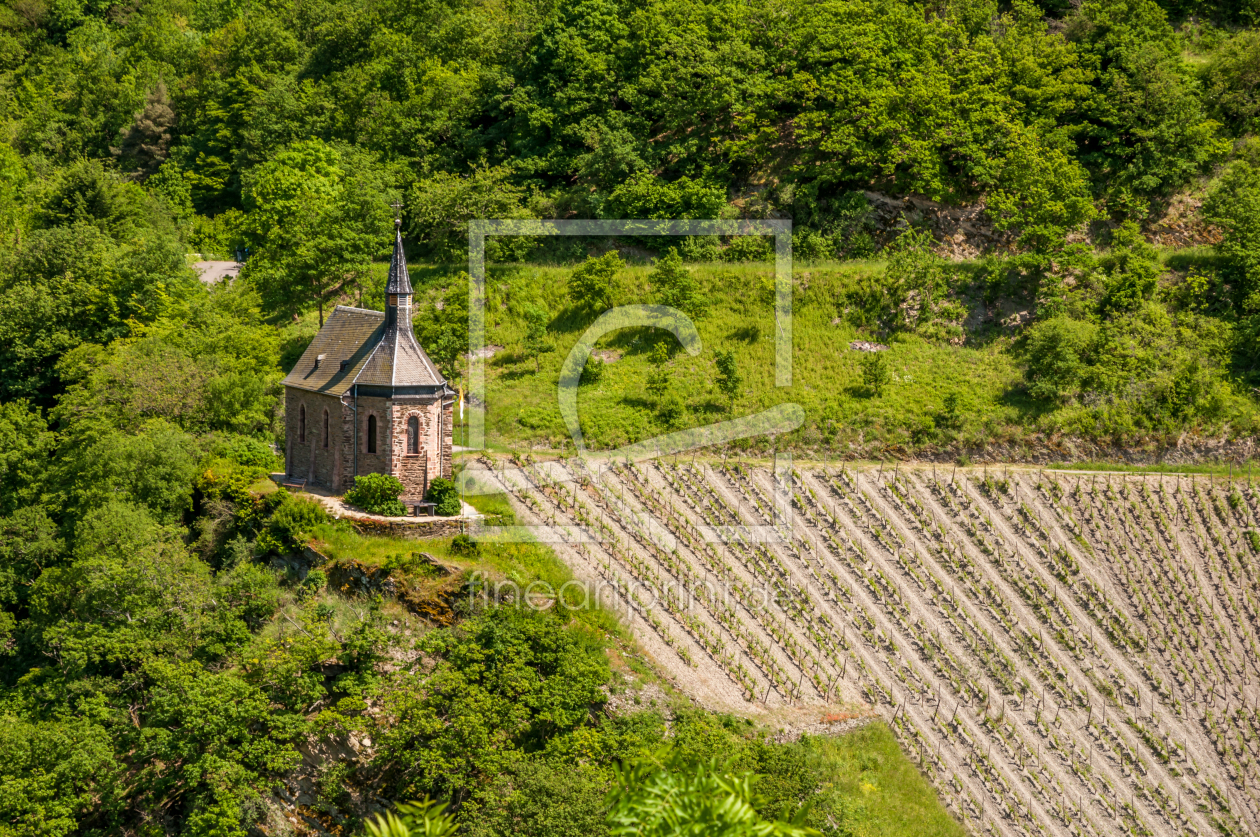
(1233, 205)
(1231, 79)
(291, 523)
(443, 493)
(1139, 371)
(905, 296)
(592, 372)
(315, 581)
(677, 285)
(378, 494)
(672, 410)
(1058, 350)
(246, 450)
(647, 196)
(536, 342)
(1132, 268)
(591, 284)
(875, 373)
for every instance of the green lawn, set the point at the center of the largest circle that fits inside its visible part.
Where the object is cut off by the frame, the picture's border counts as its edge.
(826, 373)
(883, 792)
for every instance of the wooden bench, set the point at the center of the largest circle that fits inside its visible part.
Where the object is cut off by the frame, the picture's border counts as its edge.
(423, 509)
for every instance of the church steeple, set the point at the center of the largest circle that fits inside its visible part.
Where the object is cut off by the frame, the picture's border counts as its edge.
(398, 286)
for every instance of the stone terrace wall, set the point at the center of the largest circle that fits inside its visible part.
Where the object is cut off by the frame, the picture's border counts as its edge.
(413, 529)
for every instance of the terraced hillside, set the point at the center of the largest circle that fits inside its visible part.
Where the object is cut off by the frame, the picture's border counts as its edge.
(1063, 653)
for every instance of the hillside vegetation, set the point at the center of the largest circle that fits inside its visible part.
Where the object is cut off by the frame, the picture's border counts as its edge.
(169, 662)
(966, 373)
(181, 670)
(285, 130)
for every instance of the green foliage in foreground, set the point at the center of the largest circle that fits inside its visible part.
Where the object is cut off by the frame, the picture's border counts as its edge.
(665, 797)
(520, 750)
(414, 819)
(861, 782)
(445, 495)
(378, 494)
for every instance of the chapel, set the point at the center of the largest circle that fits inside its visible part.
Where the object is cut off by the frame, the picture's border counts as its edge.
(365, 398)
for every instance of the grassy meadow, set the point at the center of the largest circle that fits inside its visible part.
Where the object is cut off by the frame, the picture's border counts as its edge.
(884, 793)
(826, 374)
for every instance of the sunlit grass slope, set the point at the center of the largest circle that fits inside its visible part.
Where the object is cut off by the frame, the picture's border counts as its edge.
(826, 374)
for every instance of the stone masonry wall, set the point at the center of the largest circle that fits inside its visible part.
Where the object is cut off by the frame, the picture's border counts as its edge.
(448, 422)
(415, 529)
(334, 467)
(371, 463)
(345, 471)
(416, 470)
(311, 460)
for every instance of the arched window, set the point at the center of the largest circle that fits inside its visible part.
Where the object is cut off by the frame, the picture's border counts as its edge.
(325, 428)
(371, 439)
(413, 434)
(302, 424)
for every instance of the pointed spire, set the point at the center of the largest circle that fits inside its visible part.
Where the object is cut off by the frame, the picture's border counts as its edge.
(399, 282)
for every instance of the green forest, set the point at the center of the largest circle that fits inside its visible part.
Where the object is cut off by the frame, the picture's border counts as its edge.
(138, 134)
(161, 671)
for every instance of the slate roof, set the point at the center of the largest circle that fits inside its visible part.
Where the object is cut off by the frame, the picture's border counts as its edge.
(375, 356)
(398, 361)
(348, 334)
(357, 346)
(399, 282)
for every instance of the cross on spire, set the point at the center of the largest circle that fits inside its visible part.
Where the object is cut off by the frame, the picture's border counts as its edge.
(397, 207)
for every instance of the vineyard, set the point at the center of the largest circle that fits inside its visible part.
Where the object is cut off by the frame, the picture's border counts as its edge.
(1062, 653)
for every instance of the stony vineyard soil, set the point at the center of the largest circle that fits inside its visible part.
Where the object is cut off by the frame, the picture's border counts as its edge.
(1062, 653)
